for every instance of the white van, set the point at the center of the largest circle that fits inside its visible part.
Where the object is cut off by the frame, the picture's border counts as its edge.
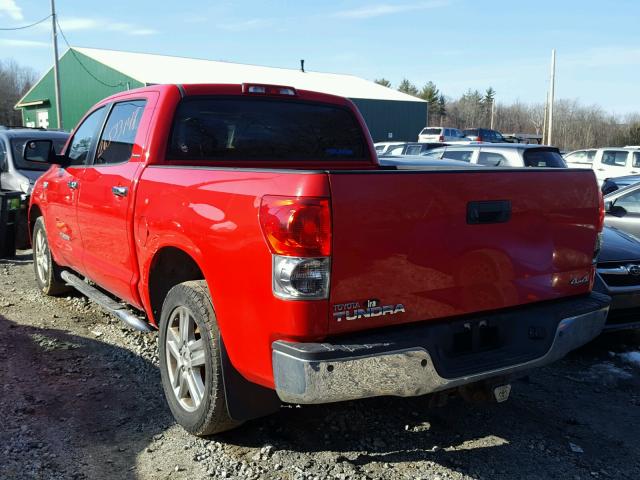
(606, 162)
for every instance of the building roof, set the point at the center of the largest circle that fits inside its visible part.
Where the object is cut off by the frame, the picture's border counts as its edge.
(157, 69)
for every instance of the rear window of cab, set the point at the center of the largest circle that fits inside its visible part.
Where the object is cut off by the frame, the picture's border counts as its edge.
(224, 129)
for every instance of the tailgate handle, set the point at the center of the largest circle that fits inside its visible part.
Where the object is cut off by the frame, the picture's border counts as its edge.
(492, 211)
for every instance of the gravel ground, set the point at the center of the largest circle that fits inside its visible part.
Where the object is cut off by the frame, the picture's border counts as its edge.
(81, 398)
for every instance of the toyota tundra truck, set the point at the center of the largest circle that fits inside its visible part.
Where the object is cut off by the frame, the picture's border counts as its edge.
(254, 228)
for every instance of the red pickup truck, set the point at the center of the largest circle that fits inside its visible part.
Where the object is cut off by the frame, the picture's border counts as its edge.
(254, 227)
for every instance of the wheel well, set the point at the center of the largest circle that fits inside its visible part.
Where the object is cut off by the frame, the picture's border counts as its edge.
(34, 213)
(169, 267)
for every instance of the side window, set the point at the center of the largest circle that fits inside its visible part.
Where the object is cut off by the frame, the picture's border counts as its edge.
(614, 158)
(492, 159)
(630, 202)
(636, 160)
(463, 155)
(84, 137)
(591, 154)
(119, 134)
(413, 150)
(395, 150)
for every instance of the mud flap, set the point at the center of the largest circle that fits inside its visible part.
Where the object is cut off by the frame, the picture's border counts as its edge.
(245, 400)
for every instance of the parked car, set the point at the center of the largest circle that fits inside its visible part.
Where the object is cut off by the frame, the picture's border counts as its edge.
(409, 162)
(612, 184)
(412, 148)
(502, 155)
(439, 134)
(618, 275)
(383, 147)
(622, 209)
(606, 162)
(18, 175)
(483, 135)
(256, 229)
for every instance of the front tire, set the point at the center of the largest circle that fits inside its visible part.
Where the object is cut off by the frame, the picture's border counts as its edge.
(190, 364)
(46, 269)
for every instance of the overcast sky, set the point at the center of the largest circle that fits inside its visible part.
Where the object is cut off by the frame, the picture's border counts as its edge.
(458, 44)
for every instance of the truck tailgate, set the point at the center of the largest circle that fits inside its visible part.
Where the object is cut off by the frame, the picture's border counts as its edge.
(424, 245)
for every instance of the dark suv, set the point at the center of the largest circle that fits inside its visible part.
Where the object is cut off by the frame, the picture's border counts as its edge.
(483, 135)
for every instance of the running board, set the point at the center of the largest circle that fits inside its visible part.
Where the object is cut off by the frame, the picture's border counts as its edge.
(107, 303)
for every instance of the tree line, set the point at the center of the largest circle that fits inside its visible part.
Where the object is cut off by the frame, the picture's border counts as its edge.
(575, 125)
(15, 81)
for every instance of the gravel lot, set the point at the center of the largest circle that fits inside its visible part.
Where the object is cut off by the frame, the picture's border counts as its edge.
(81, 398)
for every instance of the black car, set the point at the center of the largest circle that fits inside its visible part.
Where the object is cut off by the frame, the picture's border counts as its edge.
(618, 275)
(612, 184)
(484, 135)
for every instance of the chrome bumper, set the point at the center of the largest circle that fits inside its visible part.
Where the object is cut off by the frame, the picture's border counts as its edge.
(404, 373)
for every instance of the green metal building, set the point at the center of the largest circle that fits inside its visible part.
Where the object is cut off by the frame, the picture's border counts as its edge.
(88, 75)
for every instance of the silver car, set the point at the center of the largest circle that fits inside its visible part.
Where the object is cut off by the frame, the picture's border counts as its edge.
(15, 173)
(501, 155)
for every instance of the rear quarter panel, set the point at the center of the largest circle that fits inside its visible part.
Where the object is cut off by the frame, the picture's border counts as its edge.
(212, 214)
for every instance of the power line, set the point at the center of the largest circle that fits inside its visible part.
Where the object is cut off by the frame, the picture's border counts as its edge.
(6, 29)
(119, 84)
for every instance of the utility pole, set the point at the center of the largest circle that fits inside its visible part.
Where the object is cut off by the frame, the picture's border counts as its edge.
(56, 72)
(552, 96)
(493, 111)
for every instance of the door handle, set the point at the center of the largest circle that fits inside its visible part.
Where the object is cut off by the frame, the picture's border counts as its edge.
(73, 184)
(120, 191)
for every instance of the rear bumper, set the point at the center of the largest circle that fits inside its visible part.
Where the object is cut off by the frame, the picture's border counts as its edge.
(410, 361)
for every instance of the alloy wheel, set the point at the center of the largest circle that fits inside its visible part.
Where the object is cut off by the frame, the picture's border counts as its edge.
(185, 353)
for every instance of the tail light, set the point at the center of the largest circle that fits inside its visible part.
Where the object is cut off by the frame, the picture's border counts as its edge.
(441, 138)
(298, 233)
(479, 138)
(268, 90)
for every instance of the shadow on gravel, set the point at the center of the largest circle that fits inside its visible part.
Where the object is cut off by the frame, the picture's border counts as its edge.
(73, 407)
(530, 436)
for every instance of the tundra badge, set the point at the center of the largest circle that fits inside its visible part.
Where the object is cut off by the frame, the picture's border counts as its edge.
(371, 308)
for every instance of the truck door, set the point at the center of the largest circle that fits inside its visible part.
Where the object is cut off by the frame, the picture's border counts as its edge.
(61, 190)
(105, 205)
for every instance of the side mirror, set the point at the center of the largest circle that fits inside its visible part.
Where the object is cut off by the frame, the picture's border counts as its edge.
(616, 210)
(41, 151)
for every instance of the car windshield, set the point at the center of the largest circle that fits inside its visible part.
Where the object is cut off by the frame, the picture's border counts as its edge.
(17, 145)
(210, 129)
(543, 158)
(431, 131)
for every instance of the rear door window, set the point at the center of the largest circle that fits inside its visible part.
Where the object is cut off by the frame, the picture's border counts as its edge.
(462, 155)
(261, 129)
(119, 134)
(431, 131)
(614, 158)
(492, 159)
(540, 158)
(413, 150)
(636, 160)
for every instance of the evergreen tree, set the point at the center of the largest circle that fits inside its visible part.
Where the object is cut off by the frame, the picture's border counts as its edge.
(383, 81)
(407, 87)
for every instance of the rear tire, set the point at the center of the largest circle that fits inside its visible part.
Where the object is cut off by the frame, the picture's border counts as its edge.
(46, 269)
(190, 364)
